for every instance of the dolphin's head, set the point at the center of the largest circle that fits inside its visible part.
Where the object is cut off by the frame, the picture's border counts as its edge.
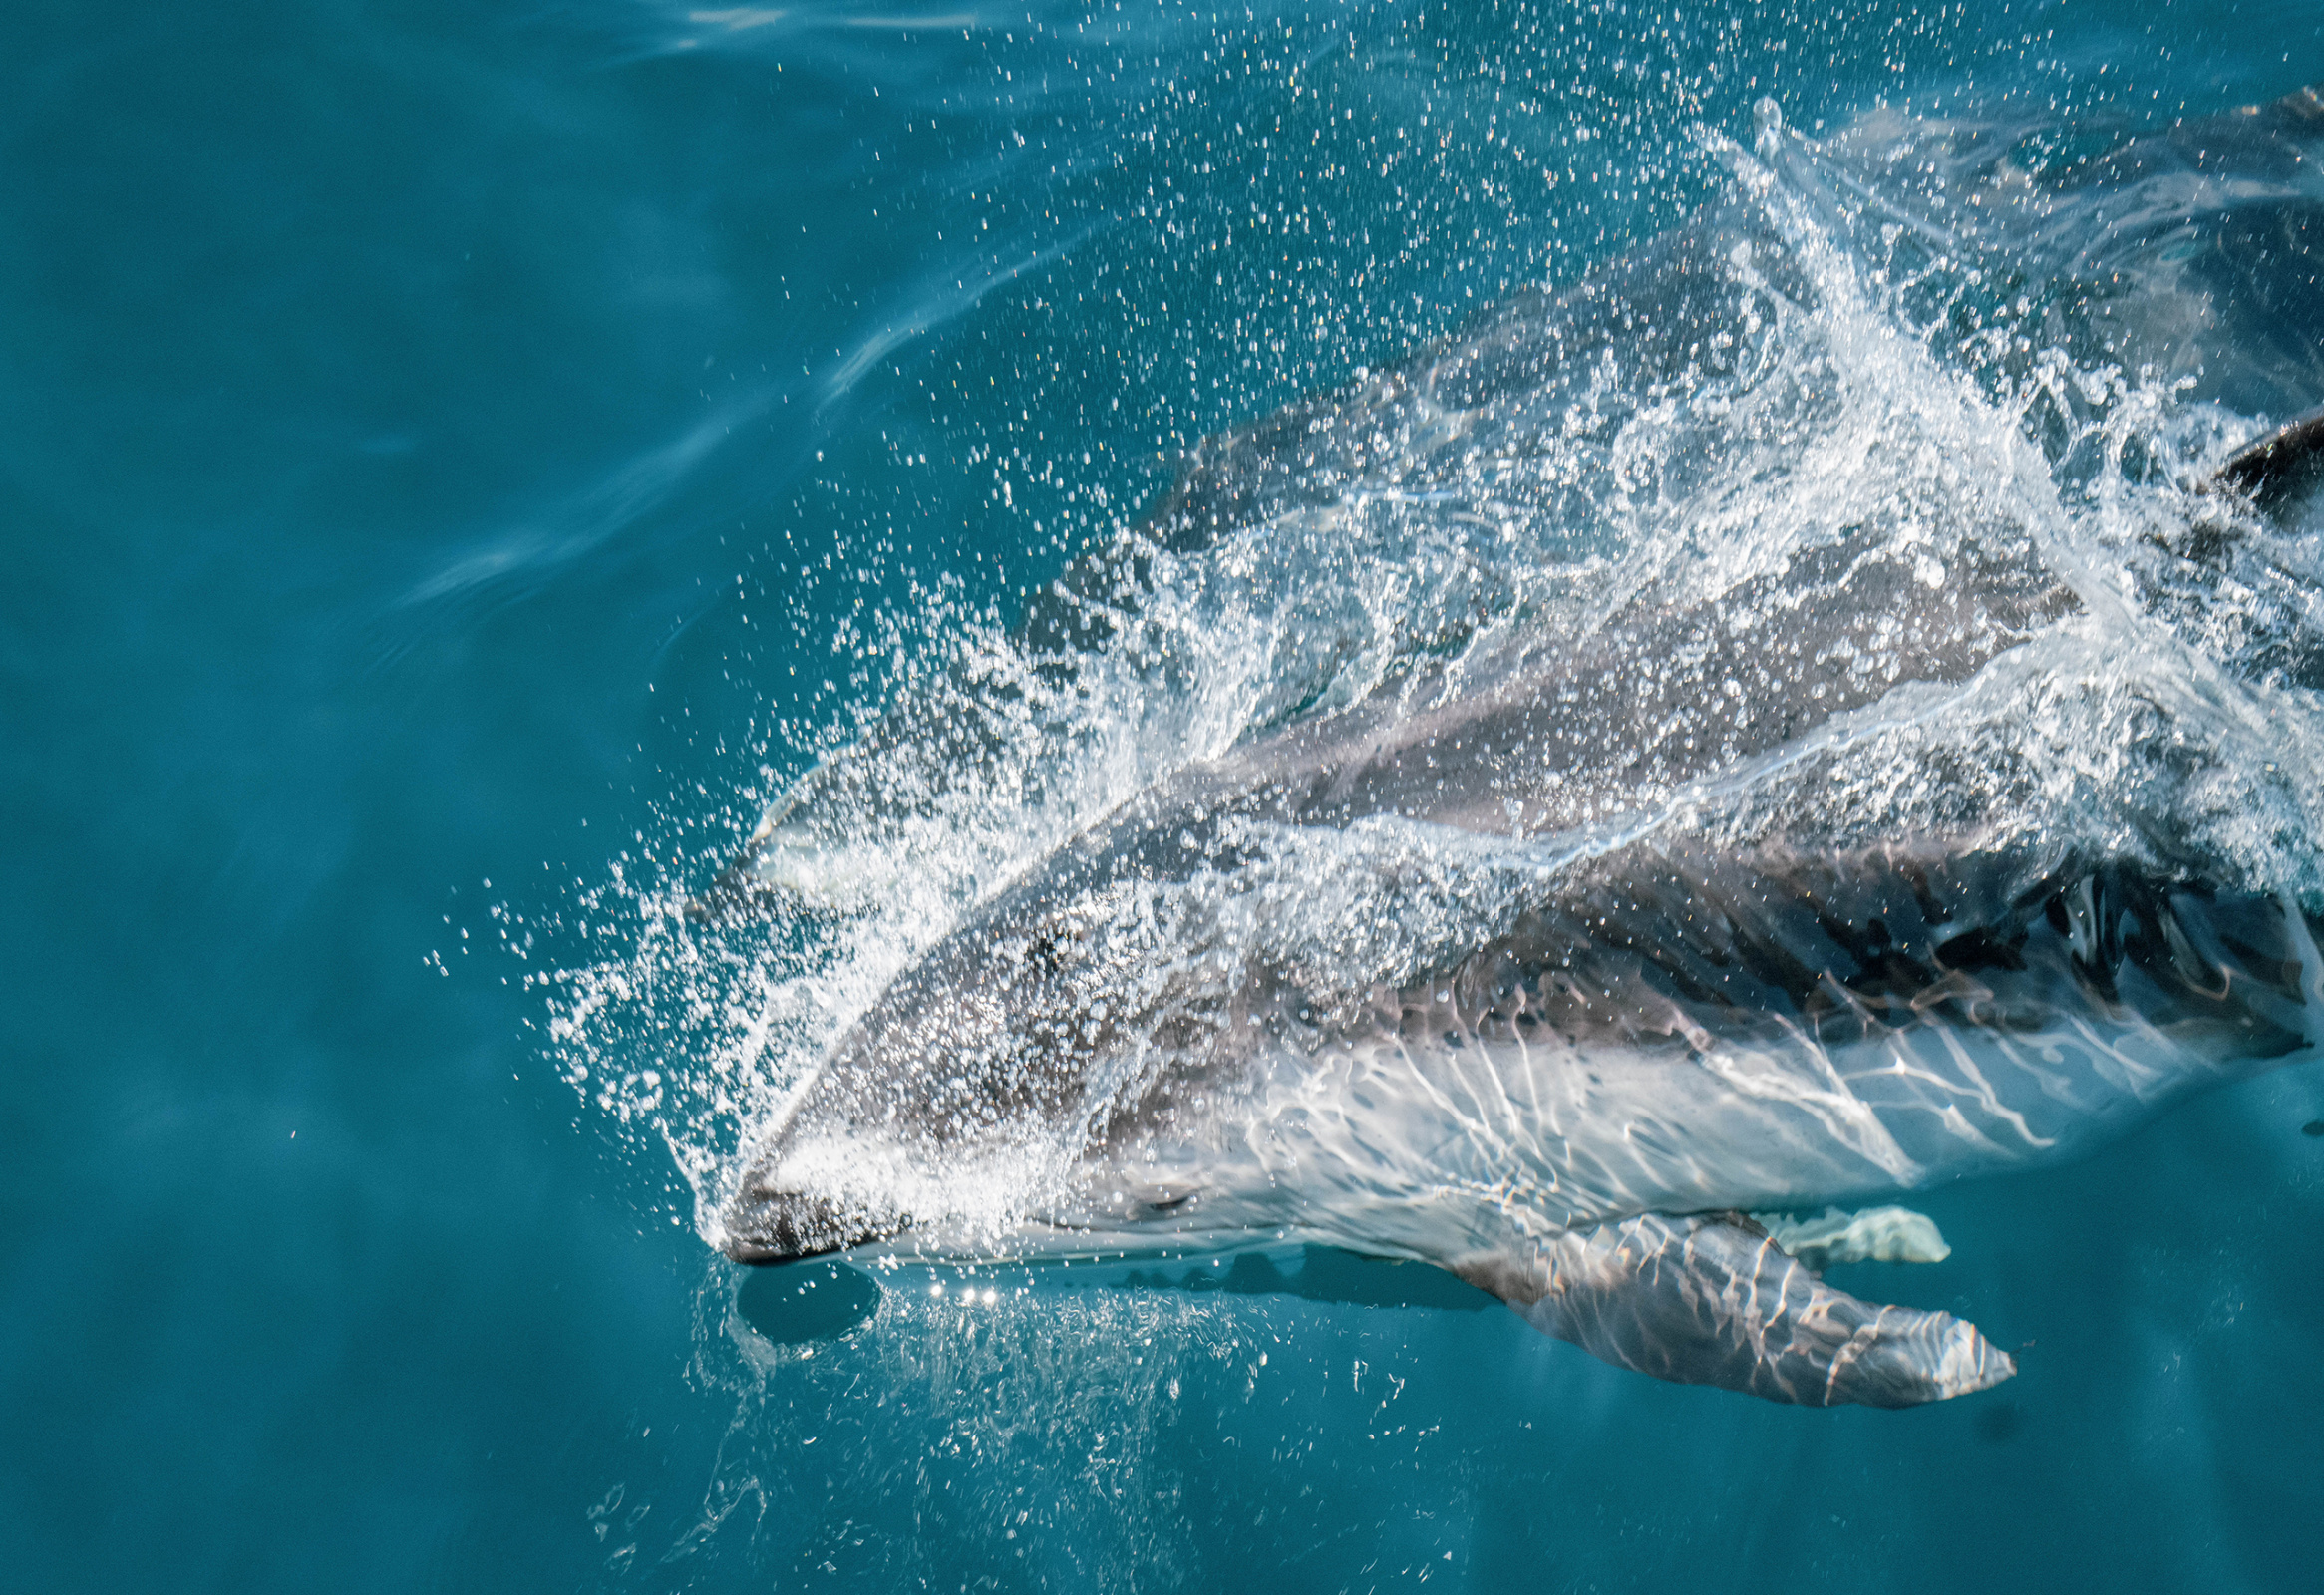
(967, 1092)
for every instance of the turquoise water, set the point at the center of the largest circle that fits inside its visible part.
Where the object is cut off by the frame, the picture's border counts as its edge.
(460, 461)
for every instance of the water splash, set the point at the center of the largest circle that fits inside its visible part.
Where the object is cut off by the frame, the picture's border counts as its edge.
(1824, 359)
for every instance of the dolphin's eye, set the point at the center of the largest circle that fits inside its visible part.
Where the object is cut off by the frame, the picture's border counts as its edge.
(1047, 951)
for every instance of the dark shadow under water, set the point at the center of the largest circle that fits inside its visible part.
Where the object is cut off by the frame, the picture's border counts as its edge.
(1324, 1274)
(823, 1299)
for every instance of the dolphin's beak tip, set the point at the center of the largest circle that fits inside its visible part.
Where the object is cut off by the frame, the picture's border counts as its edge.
(766, 1227)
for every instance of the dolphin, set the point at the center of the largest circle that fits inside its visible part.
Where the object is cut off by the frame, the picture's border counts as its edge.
(1442, 970)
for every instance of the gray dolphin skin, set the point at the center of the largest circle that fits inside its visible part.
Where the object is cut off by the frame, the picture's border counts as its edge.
(1451, 966)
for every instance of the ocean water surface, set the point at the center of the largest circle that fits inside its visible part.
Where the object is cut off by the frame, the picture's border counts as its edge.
(465, 465)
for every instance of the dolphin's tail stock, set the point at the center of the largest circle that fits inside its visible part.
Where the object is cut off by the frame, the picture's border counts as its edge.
(1711, 1300)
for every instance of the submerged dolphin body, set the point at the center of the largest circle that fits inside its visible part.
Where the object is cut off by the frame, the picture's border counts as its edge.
(1441, 969)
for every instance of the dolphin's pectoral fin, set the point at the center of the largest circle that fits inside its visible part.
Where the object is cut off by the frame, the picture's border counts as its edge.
(1711, 1300)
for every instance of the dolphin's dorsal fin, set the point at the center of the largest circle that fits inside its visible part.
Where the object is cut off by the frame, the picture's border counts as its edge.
(1705, 1300)
(2279, 465)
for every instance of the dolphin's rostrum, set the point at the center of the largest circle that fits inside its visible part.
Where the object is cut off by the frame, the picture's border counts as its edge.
(1455, 968)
